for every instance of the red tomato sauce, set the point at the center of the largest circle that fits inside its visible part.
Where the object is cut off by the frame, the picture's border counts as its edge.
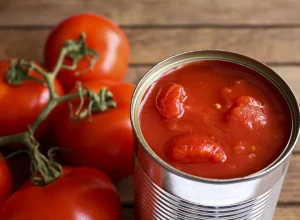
(215, 119)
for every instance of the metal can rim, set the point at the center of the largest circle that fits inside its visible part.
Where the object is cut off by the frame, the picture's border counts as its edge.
(286, 152)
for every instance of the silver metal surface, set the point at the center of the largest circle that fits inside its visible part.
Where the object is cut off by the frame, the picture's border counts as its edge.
(163, 192)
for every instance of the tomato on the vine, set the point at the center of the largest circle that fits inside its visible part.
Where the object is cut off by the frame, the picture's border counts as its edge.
(5, 181)
(80, 193)
(103, 36)
(21, 104)
(106, 142)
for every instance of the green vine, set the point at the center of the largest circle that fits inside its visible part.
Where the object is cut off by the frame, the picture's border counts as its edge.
(45, 169)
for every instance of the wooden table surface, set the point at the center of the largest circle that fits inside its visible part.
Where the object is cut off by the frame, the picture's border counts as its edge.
(265, 30)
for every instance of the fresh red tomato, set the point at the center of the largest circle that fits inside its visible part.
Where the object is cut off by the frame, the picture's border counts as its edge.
(5, 181)
(105, 143)
(103, 36)
(80, 193)
(21, 104)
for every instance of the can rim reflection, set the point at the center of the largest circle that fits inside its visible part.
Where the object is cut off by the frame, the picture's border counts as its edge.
(197, 55)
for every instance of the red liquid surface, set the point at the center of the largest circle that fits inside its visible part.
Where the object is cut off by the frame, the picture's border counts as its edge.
(215, 119)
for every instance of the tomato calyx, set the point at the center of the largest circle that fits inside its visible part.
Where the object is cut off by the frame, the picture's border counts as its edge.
(77, 50)
(18, 73)
(100, 102)
(44, 168)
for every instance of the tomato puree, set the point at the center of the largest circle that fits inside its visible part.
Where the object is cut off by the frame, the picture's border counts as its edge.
(215, 119)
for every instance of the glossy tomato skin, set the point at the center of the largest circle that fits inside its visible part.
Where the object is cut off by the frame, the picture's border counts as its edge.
(103, 36)
(105, 143)
(5, 181)
(21, 104)
(80, 193)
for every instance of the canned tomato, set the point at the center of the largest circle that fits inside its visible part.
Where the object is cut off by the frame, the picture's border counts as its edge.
(215, 131)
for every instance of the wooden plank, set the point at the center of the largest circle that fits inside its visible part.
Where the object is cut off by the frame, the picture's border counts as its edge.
(125, 188)
(290, 192)
(152, 45)
(154, 12)
(291, 187)
(267, 45)
(281, 213)
(291, 74)
(286, 213)
(127, 214)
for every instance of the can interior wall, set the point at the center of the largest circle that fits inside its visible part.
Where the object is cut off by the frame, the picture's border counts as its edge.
(162, 192)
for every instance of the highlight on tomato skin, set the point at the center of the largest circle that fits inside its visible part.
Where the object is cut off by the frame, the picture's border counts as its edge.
(103, 36)
(195, 148)
(83, 193)
(170, 101)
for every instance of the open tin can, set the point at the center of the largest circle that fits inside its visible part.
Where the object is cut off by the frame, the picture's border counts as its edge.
(163, 192)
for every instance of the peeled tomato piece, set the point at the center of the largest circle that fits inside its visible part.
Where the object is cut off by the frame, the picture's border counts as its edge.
(170, 101)
(196, 148)
(248, 112)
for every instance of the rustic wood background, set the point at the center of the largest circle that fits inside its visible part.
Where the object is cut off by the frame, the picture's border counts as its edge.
(265, 30)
